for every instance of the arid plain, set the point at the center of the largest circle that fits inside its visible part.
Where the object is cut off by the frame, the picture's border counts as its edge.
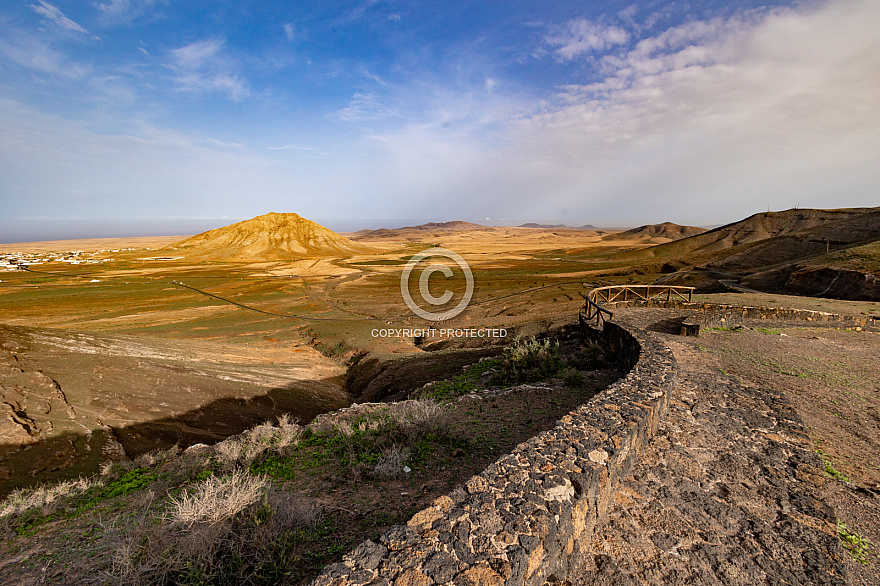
(130, 358)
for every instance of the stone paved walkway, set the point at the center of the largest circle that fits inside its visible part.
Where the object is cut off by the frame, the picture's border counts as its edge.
(729, 491)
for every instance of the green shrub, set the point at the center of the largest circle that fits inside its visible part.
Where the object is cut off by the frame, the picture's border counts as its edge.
(369, 442)
(573, 378)
(588, 357)
(459, 385)
(528, 361)
(859, 548)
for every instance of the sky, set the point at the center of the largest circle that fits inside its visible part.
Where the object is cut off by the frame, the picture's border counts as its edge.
(150, 117)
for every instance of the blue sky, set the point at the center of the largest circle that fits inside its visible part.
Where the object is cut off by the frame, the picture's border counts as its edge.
(152, 116)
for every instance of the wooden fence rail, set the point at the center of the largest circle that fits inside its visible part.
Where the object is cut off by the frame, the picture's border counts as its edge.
(614, 293)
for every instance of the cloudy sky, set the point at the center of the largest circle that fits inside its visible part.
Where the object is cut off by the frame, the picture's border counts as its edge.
(151, 116)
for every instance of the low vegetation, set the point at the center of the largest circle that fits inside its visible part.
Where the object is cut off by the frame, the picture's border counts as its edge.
(859, 548)
(829, 467)
(280, 501)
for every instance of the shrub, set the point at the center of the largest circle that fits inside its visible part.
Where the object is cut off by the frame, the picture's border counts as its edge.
(588, 357)
(245, 448)
(359, 438)
(527, 361)
(573, 378)
(231, 530)
(458, 385)
(44, 499)
(218, 498)
(392, 464)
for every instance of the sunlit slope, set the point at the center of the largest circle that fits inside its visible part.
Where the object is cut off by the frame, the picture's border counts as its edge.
(271, 236)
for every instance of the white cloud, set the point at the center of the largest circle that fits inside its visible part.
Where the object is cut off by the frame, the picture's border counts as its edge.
(364, 107)
(117, 12)
(709, 121)
(234, 87)
(34, 53)
(291, 147)
(144, 170)
(54, 15)
(359, 11)
(581, 36)
(201, 68)
(196, 54)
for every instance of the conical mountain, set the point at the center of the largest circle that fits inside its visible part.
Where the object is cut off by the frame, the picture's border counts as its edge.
(271, 236)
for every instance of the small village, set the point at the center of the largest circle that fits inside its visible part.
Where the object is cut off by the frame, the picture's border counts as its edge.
(14, 261)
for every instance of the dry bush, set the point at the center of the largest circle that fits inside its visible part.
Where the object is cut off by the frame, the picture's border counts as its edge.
(392, 464)
(418, 417)
(349, 422)
(150, 459)
(232, 530)
(414, 417)
(47, 498)
(218, 498)
(243, 449)
(295, 511)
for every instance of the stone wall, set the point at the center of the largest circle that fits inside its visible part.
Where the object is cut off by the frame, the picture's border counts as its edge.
(712, 315)
(524, 519)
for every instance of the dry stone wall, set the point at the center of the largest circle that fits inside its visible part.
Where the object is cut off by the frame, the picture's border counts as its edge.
(524, 519)
(712, 315)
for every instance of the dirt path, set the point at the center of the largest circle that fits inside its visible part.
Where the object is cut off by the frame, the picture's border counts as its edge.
(731, 489)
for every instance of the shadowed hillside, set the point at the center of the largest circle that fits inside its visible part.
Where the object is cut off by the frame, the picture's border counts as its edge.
(753, 229)
(271, 236)
(659, 232)
(811, 252)
(431, 228)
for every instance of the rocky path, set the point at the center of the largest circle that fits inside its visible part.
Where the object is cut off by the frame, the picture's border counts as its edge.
(729, 491)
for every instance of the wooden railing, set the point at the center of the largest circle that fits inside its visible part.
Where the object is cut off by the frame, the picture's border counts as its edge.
(612, 293)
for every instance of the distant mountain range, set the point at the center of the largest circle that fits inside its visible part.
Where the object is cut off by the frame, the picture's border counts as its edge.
(430, 227)
(765, 225)
(554, 226)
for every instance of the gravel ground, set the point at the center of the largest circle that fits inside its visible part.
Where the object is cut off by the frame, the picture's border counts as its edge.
(731, 490)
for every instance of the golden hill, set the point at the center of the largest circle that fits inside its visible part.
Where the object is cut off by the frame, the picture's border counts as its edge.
(271, 236)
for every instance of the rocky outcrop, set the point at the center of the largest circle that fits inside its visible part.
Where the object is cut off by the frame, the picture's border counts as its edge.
(834, 283)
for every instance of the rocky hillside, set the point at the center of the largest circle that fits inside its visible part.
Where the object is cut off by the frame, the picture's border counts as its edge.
(832, 253)
(752, 229)
(661, 233)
